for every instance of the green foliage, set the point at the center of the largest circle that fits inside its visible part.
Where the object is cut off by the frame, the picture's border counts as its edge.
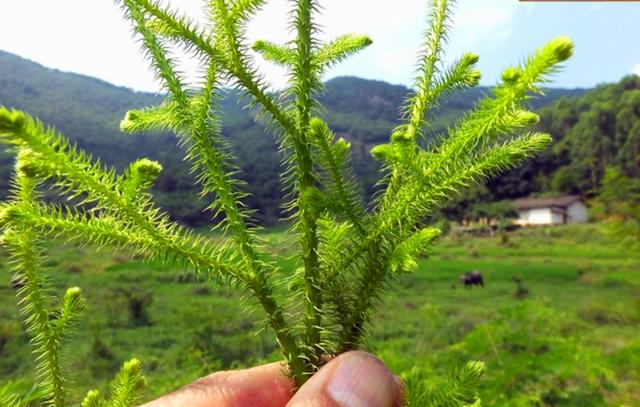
(564, 181)
(459, 390)
(125, 388)
(47, 324)
(499, 211)
(87, 111)
(580, 273)
(12, 396)
(46, 333)
(8, 399)
(593, 132)
(138, 301)
(619, 205)
(347, 256)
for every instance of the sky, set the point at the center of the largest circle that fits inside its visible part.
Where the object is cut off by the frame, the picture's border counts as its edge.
(91, 37)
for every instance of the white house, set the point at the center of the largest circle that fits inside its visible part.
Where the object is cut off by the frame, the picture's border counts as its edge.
(550, 211)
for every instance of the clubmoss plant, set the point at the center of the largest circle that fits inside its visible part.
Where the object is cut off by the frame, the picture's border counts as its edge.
(48, 320)
(349, 251)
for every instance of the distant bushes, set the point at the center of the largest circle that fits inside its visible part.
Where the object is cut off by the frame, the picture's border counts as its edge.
(8, 331)
(137, 300)
(619, 314)
(523, 342)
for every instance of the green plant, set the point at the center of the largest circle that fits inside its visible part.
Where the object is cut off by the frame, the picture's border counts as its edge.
(348, 254)
(619, 206)
(457, 391)
(47, 322)
(8, 330)
(138, 301)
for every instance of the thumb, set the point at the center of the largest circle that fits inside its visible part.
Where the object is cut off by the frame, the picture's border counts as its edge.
(353, 379)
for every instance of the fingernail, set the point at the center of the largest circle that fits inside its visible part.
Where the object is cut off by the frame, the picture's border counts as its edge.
(361, 381)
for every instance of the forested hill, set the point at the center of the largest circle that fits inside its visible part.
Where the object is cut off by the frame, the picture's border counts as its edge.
(89, 110)
(598, 130)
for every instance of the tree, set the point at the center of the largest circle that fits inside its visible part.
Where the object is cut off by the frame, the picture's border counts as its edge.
(593, 131)
(618, 205)
(564, 180)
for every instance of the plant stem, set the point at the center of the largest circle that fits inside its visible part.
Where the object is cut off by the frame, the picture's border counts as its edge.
(303, 88)
(371, 281)
(34, 304)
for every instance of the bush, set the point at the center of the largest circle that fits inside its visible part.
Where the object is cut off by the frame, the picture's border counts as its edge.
(8, 331)
(138, 300)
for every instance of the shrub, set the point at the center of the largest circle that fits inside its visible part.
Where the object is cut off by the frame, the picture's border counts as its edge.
(138, 300)
(8, 331)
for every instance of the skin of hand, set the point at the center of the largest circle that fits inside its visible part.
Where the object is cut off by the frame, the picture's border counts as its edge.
(353, 379)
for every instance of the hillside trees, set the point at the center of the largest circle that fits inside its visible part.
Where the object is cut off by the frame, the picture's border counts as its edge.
(87, 110)
(593, 132)
(605, 133)
(618, 204)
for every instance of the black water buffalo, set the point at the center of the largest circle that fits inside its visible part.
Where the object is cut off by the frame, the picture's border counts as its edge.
(472, 278)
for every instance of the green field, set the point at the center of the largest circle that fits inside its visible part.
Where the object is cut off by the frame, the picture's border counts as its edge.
(571, 338)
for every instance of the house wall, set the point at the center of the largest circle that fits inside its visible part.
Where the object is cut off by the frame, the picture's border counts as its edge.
(577, 213)
(539, 216)
(523, 218)
(542, 216)
(558, 217)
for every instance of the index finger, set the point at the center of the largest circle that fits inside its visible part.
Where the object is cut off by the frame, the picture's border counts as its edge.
(265, 385)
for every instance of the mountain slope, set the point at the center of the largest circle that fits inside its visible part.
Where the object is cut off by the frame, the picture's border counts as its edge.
(88, 111)
(598, 130)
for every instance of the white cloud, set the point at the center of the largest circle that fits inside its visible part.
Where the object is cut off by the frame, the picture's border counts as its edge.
(483, 22)
(484, 27)
(92, 38)
(82, 36)
(395, 32)
(636, 70)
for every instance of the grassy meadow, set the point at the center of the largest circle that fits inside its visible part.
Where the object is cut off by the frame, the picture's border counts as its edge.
(566, 335)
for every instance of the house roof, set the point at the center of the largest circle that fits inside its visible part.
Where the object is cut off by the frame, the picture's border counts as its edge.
(537, 203)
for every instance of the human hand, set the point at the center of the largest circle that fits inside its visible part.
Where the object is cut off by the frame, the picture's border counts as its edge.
(353, 379)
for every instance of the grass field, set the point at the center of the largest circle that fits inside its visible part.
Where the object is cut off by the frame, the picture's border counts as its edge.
(570, 338)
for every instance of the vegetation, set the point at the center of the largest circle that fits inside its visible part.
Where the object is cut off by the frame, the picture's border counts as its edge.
(593, 132)
(87, 111)
(362, 112)
(618, 205)
(572, 341)
(346, 256)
